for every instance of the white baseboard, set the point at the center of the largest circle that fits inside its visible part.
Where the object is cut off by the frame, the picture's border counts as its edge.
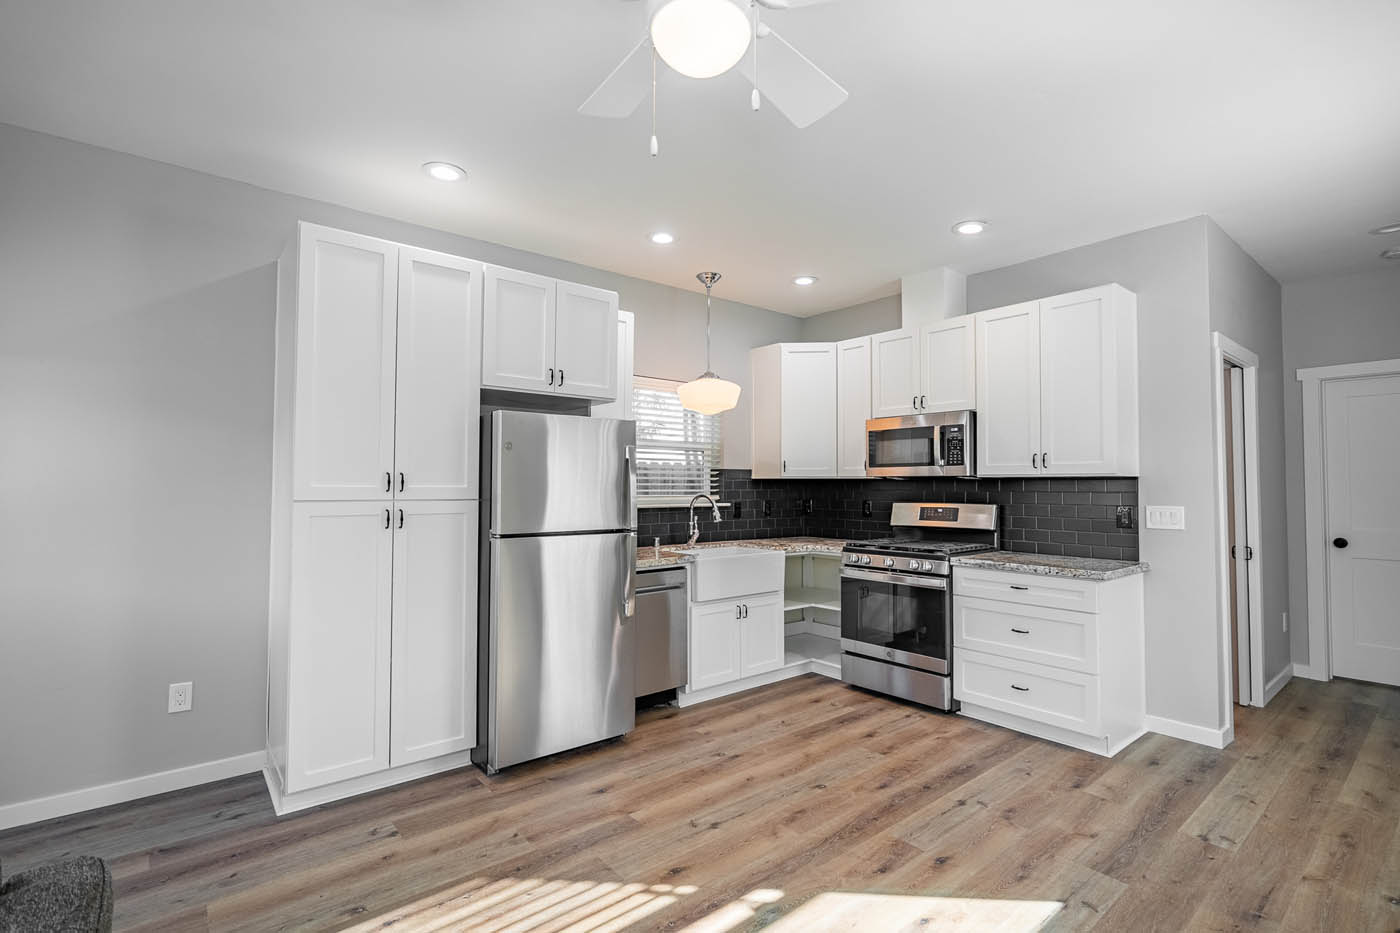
(1280, 680)
(1308, 671)
(1201, 735)
(148, 785)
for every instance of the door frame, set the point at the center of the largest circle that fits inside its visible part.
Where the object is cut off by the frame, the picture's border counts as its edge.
(1226, 351)
(1314, 380)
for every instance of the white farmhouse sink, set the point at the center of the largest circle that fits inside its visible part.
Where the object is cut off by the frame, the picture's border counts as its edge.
(725, 572)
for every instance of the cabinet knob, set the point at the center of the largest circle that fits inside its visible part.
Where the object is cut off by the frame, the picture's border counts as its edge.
(1340, 543)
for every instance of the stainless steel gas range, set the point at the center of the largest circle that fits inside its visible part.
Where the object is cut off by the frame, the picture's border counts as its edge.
(897, 600)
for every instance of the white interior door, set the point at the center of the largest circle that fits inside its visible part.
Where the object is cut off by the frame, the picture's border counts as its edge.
(1237, 526)
(948, 365)
(346, 308)
(808, 426)
(1008, 391)
(585, 342)
(338, 650)
(1078, 401)
(434, 630)
(517, 330)
(894, 373)
(437, 430)
(1361, 449)
(852, 405)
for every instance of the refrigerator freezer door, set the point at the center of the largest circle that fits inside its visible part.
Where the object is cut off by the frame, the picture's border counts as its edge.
(554, 474)
(561, 644)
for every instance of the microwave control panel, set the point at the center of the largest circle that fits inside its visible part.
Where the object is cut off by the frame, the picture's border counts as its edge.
(953, 445)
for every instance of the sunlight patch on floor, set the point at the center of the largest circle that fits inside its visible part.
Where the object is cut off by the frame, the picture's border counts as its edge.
(846, 912)
(536, 905)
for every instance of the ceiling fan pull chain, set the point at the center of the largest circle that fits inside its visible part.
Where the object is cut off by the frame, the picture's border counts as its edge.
(655, 149)
(755, 100)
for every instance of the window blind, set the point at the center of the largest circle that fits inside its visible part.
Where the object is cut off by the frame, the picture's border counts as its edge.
(678, 451)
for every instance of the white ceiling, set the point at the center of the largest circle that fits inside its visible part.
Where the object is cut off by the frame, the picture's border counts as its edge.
(1061, 122)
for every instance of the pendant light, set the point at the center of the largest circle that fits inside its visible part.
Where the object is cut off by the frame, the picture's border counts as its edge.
(708, 394)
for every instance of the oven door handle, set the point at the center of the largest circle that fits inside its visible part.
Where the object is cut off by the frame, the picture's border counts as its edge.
(883, 576)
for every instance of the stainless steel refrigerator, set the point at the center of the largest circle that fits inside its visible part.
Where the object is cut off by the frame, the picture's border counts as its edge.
(559, 546)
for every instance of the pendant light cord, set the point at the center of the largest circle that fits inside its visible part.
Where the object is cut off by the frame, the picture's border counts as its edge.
(707, 328)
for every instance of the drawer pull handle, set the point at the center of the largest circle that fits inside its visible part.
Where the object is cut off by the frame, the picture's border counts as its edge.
(1021, 631)
(1022, 689)
(1015, 587)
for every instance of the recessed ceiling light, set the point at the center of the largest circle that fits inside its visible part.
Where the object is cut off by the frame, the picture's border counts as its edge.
(1391, 254)
(1388, 228)
(805, 280)
(444, 171)
(969, 227)
(662, 238)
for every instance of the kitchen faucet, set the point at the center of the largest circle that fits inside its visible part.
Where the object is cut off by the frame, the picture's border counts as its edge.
(694, 523)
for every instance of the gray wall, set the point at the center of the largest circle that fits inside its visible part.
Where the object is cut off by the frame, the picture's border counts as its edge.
(1327, 320)
(1246, 305)
(136, 312)
(873, 317)
(1167, 268)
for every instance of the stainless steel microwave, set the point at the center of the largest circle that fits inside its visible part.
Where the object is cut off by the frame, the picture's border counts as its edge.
(938, 444)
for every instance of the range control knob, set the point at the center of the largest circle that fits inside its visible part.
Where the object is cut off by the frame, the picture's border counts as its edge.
(865, 559)
(914, 565)
(889, 561)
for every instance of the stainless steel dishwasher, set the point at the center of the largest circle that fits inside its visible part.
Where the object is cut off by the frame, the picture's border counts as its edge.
(660, 622)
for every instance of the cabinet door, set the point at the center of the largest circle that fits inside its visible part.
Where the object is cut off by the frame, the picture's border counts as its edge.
(714, 644)
(948, 365)
(1078, 384)
(517, 330)
(433, 711)
(585, 342)
(852, 405)
(894, 373)
(626, 352)
(338, 650)
(439, 376)
(761, 634)
(808, 426)
(1008, 391)
(346, 298)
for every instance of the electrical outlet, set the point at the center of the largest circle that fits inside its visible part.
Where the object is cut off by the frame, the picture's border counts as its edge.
(767, 508)
(181, 697)
(866, 509)
(738, 511)
(1125, 516)
(808, 505)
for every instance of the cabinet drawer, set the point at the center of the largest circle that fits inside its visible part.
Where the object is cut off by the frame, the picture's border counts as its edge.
(1027, 588)
(1031, 633)
(1051, 695)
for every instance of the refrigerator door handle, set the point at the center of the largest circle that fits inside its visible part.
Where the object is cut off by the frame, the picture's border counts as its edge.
(629, 579)
(632, 483)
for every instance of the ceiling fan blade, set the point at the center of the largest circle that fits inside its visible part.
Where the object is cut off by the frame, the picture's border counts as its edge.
(789, 4)
(622, 91)
(799, 89)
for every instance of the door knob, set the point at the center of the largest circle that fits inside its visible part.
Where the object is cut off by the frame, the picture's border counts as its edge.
(1340, 542)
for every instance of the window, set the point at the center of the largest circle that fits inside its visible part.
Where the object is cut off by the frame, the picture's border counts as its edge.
(678, 451)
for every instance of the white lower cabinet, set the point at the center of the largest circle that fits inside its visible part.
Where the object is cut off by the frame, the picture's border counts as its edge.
(761, 634)
(1024, 661)
(714, 645)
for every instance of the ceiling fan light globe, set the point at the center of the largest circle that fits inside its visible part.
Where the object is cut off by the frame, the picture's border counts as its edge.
(700, 38)
(709, 394)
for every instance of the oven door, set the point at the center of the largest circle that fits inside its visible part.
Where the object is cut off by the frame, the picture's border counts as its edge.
(897, 617)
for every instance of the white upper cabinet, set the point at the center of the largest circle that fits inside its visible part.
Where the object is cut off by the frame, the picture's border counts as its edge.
(337, 656)
(894, 379)
(947, 364)
(794, 410)
(1088, 383)
(346, 296)
(439, 378)
(517, 337)
(852, 405)
(585, 342)
(433, 708)
(1057, 386)
(1008, 391)
(543, 335)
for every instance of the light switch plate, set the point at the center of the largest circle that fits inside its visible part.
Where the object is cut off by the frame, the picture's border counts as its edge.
(1166, 517)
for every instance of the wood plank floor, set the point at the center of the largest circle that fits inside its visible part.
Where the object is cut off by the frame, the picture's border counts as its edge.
(806, 805)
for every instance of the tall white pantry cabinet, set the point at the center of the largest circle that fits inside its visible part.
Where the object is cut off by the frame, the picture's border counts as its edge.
(372, 607)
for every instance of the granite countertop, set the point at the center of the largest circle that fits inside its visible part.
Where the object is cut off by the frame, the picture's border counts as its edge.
(674, 555)
(1048, 565)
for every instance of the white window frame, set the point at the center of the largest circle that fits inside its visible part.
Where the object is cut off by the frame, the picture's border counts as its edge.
(714, 451)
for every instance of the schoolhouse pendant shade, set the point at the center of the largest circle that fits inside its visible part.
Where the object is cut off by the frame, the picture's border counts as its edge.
(708, 394)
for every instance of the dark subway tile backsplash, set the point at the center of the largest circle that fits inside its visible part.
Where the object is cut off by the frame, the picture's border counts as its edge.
(1045, 515)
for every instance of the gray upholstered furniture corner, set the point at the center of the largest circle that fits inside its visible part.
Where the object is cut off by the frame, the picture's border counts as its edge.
(71, 896)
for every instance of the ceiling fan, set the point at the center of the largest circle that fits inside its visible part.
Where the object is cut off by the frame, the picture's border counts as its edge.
(706, 38)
